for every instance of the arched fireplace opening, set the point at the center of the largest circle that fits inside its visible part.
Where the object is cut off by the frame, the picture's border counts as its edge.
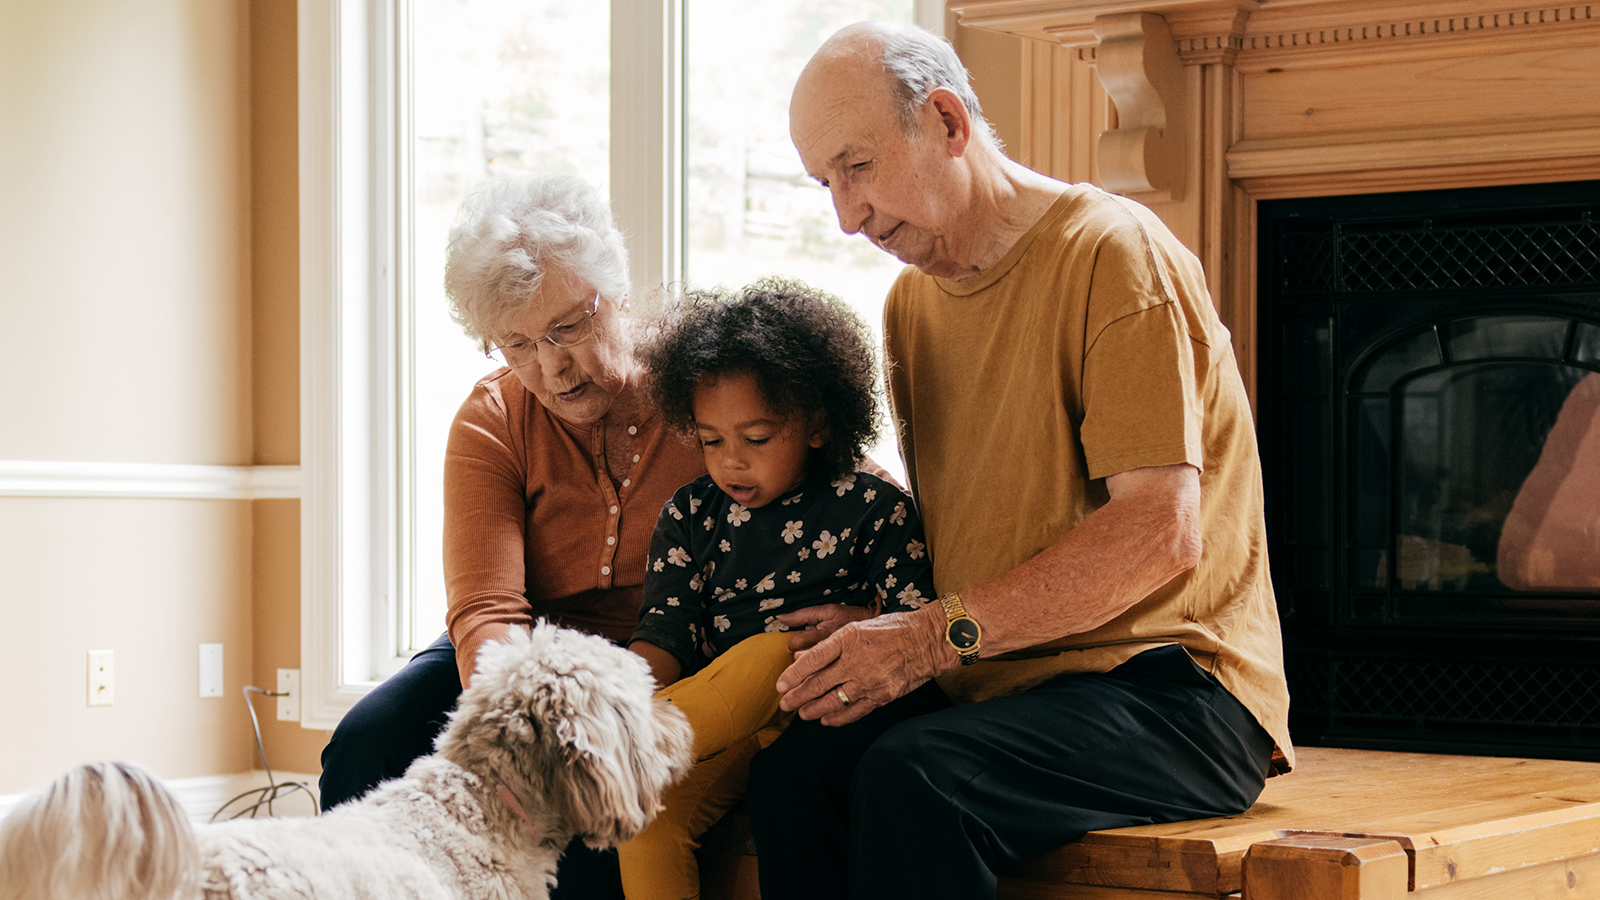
(1429, 410)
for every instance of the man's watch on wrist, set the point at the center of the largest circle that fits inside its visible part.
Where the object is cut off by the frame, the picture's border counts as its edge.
(960, 631)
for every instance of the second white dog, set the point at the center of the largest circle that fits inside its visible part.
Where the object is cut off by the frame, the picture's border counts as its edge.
(557, 736)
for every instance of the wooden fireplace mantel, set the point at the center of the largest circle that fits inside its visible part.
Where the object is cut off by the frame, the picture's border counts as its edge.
(1200, 108)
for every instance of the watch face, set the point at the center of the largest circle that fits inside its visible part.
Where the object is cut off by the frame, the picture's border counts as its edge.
(962, 634)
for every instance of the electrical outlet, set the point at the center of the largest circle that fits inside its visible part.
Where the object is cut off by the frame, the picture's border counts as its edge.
(102, 689)
(289, 685)
(210, 670)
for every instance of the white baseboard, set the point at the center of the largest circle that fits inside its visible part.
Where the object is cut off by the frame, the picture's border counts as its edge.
(203, 796)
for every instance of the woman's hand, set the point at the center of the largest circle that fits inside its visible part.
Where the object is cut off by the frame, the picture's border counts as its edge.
(869, 663)
(807, 627)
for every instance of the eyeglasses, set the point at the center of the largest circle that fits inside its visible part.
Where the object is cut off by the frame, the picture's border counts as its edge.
(570, 333)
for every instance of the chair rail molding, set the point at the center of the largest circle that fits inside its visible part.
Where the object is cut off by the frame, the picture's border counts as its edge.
(144, 481)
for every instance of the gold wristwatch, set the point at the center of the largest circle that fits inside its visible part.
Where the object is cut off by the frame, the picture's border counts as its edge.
(960, 630)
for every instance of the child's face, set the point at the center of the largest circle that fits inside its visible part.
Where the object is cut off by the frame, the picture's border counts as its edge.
(752, 453)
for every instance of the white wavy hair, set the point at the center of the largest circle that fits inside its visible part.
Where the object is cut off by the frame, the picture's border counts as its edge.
(918, 62)
(510, 231)
(104, 831)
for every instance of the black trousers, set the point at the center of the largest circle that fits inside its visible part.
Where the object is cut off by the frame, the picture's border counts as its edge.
(397, 722)
(928, 800)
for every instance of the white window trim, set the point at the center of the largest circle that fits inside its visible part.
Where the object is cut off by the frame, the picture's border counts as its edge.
(352, 567)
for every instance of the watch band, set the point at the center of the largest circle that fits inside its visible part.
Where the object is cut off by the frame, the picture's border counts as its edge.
(961, 631)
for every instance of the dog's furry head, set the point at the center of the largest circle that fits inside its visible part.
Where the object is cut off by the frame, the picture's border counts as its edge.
(568, 722)
(103, 831)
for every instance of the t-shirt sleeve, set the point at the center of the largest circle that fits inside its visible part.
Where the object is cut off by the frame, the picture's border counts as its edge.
(1141, 391)
(669, 616)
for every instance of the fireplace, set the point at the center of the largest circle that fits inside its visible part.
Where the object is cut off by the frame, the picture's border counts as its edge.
(1430, 382)
(1222, 116)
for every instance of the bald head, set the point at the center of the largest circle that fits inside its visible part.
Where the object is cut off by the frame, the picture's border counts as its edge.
(903, 63)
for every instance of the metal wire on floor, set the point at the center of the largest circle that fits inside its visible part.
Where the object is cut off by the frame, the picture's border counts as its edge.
(264, 796)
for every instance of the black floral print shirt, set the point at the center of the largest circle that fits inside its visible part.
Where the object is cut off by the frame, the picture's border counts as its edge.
(719, 572)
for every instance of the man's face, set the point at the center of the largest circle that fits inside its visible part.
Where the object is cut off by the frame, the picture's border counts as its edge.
(894, 191)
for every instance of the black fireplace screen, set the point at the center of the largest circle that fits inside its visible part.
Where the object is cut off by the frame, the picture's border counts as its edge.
(1430, 425)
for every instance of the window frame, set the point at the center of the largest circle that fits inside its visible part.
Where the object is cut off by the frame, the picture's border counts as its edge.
(353, 113)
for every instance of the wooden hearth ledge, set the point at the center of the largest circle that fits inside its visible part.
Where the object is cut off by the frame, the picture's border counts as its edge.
(1345, 825)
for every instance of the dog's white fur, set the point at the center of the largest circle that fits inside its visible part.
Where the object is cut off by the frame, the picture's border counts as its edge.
(565, 721)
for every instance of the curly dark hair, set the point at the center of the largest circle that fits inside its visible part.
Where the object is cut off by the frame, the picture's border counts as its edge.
(810, 354)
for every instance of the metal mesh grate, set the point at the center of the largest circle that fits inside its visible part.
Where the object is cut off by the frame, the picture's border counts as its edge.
(1449, 692)
(1423, 257)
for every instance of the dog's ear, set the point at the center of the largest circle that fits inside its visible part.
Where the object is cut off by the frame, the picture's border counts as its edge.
(615, 787)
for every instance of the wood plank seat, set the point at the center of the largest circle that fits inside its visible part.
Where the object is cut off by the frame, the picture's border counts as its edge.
(1345, 825)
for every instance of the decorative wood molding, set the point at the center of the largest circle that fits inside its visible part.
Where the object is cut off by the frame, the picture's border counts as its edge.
(1140, 70)
(1415, 160)
(1388, 29)
(145, 481)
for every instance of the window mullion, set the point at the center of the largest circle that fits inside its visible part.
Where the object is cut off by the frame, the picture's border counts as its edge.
(647, 137)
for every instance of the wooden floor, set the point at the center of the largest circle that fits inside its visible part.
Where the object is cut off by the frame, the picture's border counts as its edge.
(1345, 825)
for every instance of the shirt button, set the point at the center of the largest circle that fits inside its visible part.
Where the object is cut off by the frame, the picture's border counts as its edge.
(605, 570)
(633, 429)
(627, 481)
(611, 540)
(636, 457)
(613, 510)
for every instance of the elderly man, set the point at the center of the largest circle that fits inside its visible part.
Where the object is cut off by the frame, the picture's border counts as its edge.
(1105, 651)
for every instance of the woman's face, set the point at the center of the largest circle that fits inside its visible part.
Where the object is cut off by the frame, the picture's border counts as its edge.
(577, 383)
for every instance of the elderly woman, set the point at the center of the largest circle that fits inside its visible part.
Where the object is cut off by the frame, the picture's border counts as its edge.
(554, 475)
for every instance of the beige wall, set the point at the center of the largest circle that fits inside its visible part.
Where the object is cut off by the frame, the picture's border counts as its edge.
(141, 323)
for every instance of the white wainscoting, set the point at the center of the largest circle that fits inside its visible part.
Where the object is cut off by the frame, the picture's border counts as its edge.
(26, 478)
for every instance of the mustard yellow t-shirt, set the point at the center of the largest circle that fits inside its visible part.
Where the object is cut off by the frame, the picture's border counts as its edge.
(1091, 349)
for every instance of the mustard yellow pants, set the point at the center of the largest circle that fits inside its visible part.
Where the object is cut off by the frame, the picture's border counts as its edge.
(733, 705)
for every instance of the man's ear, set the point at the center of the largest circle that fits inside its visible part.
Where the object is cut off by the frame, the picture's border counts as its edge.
(955, 123)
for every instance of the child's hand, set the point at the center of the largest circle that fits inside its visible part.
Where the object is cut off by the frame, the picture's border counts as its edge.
(807, 627)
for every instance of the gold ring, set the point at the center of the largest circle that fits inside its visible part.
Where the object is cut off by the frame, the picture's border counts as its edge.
(839, 692)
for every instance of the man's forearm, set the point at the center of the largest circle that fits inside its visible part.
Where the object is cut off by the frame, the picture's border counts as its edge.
(1144, 536)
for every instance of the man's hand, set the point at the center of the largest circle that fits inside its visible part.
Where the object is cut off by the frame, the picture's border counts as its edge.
(872, 662)
(807, 627)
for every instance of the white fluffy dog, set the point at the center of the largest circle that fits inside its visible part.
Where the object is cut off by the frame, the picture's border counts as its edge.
(558, 736)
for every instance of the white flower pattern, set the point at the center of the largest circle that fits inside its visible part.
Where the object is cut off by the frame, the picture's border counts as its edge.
(875, 579)
(824, 544)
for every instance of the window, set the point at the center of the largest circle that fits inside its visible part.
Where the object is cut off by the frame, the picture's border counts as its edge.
(677, 110)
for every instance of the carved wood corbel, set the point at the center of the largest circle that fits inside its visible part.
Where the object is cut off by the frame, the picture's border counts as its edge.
(1140, 70)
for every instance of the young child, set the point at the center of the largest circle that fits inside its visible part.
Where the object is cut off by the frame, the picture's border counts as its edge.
(779, 384)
